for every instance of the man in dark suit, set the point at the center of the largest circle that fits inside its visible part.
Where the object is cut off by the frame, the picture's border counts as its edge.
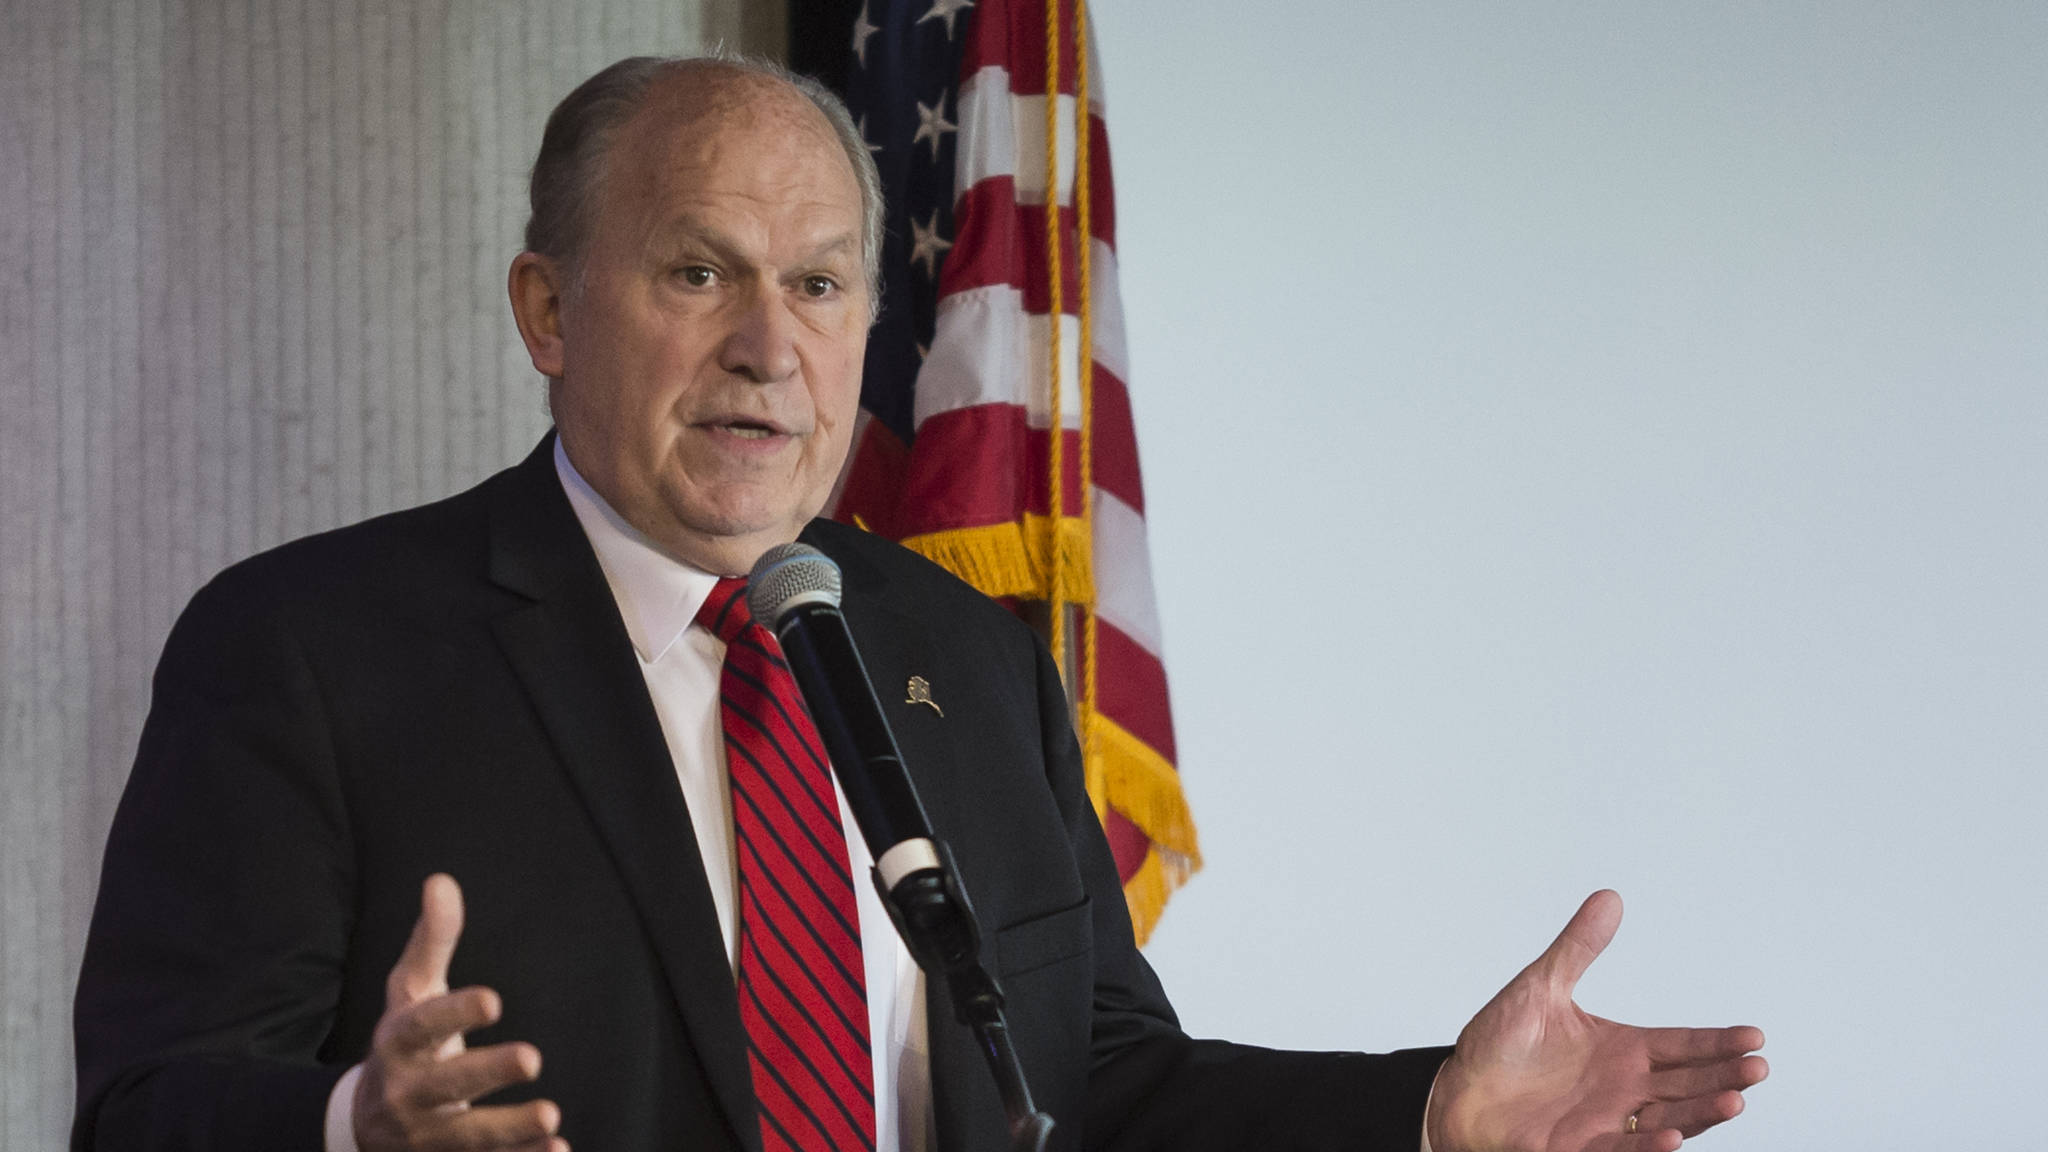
(476, 690)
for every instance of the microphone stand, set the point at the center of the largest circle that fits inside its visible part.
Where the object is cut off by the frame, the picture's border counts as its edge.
(932, 914)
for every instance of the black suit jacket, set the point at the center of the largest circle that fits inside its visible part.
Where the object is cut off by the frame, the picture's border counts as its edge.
(451, 689)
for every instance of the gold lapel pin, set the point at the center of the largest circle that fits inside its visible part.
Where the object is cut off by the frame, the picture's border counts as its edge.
(921, 693)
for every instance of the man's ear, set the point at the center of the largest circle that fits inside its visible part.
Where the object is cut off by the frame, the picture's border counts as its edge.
(536, 287)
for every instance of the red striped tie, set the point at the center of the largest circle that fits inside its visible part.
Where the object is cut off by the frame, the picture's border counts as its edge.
(803, 994)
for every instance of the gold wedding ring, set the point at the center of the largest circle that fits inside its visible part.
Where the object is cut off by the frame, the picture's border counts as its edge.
(1634, 1120)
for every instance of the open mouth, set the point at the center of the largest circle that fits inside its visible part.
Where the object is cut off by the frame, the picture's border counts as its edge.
(748, 429)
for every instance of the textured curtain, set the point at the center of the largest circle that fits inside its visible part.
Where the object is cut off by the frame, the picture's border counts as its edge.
(252, 267)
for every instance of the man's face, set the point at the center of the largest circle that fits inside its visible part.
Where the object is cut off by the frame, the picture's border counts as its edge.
(711, 356)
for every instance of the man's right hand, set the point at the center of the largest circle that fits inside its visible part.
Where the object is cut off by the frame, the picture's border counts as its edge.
(419, 1079)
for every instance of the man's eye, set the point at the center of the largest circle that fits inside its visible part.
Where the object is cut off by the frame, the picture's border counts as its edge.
(697, 275)
(819, 286)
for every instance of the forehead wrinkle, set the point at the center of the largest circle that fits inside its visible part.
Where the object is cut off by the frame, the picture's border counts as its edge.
(692, 228)
(844, 242)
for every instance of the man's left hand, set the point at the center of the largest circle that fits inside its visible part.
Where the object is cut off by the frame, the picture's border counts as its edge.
(1535, 1073)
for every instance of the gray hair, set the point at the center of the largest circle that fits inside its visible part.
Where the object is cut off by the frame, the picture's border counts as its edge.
(570, 167)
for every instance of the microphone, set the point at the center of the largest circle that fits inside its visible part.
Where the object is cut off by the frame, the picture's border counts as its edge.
(794, 591)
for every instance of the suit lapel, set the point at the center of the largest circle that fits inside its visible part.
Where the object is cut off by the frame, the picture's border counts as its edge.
(570, 651)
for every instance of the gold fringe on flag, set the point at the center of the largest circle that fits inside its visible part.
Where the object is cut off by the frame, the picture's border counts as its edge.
(1144, 787)
(1147, 890)
(1014, 559)
(1147, 790)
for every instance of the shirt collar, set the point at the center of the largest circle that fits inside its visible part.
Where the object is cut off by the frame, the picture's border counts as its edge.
(658, 596)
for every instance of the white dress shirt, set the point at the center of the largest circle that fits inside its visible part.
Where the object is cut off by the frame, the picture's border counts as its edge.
(658, 598)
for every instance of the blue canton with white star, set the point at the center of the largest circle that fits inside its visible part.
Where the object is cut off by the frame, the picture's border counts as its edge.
(902, 83)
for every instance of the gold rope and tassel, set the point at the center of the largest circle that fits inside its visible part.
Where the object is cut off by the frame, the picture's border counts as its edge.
(1123, 772)
(1120, 770)
(1057, 583)
(1084, 244)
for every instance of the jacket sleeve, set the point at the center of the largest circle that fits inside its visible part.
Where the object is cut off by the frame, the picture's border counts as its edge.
(213, 963)
(1150, 1086)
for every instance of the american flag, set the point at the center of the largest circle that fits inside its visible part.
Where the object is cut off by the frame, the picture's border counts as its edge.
(953, 455)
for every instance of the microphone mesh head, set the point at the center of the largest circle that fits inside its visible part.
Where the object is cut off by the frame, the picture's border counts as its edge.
(787, 575)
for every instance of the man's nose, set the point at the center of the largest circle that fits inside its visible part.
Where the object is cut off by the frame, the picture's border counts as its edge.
(761, 344)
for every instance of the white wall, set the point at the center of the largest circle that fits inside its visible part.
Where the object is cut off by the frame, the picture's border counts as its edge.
(251, 269)
(1634, 417)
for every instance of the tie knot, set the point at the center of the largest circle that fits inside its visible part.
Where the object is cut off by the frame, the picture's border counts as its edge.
(725, 611)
